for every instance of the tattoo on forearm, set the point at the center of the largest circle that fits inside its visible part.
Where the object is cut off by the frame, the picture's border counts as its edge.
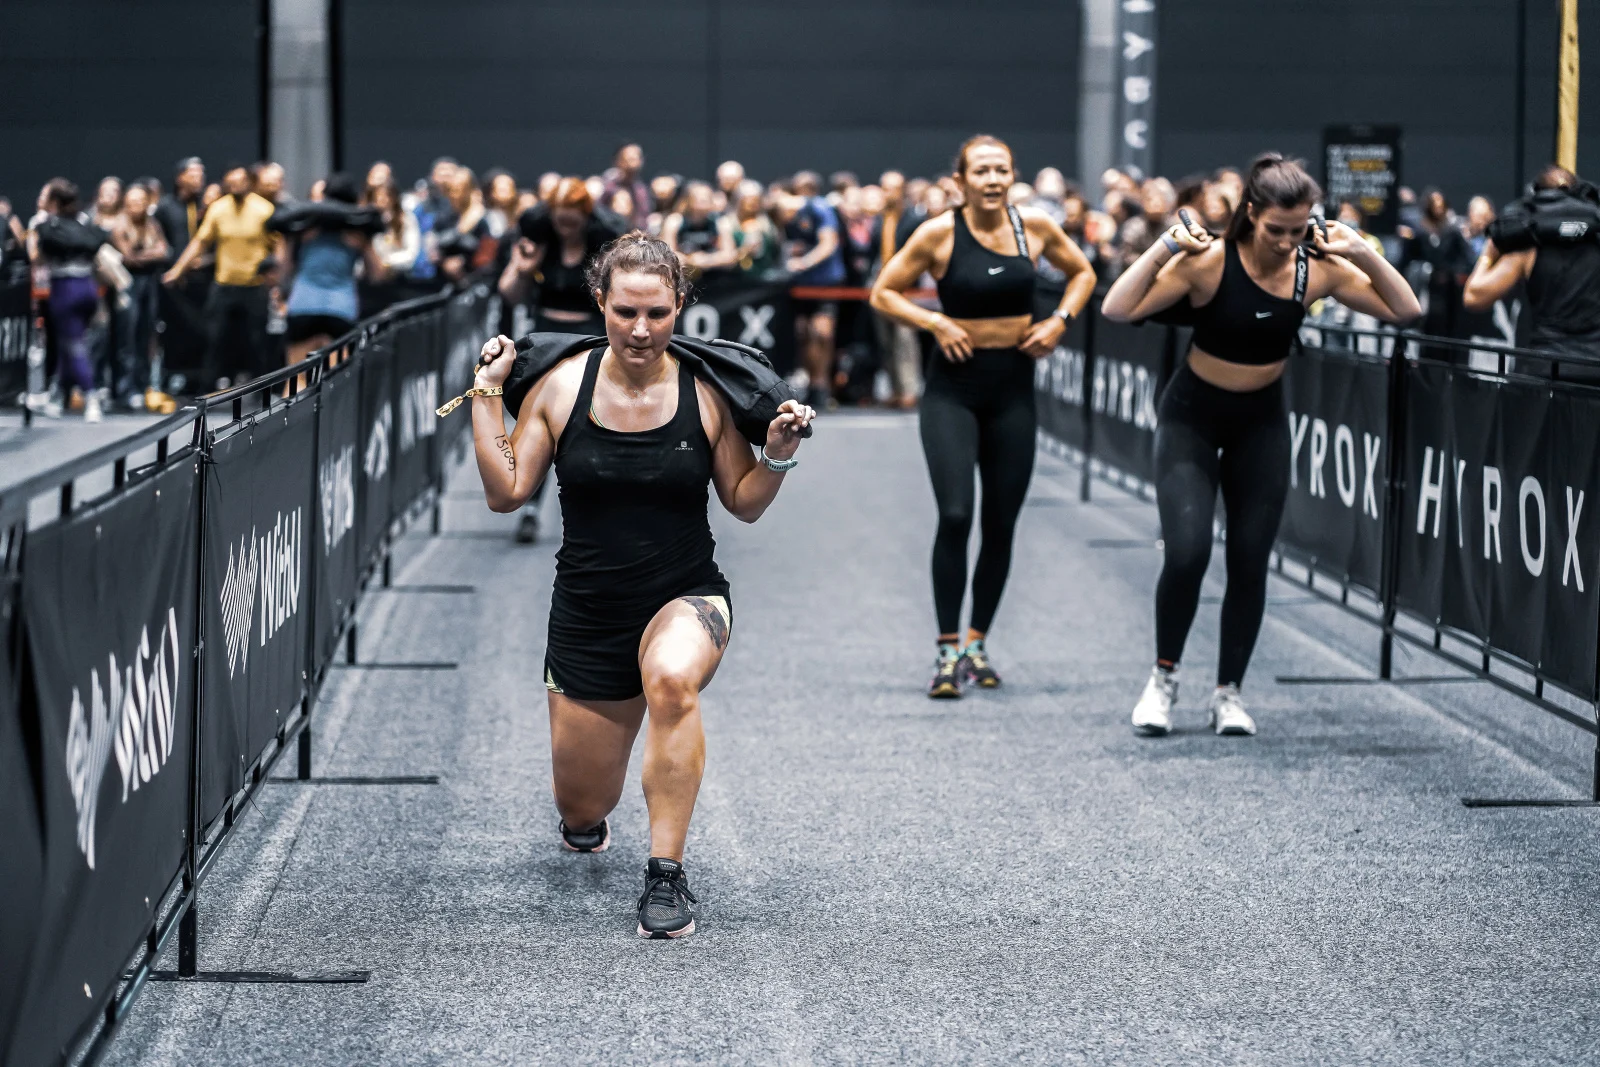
(716, 626)
(504, 446)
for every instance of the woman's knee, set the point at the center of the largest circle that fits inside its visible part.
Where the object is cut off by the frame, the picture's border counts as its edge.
(1185, 557)
(672, 693)
(955, 521)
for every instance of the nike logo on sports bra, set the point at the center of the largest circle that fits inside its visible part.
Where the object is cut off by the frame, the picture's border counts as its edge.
(996, 270)
(1263, 314)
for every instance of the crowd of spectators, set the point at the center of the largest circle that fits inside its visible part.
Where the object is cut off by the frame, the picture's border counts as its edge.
(152, 293)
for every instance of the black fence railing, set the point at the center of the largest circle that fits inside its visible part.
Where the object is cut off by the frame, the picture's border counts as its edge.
(164, 642)
(1443, 489)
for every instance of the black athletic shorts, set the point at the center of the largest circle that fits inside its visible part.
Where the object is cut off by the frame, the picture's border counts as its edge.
(305, 327)
(592, 653)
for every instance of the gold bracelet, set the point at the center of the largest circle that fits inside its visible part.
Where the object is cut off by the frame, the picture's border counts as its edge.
(494, 390)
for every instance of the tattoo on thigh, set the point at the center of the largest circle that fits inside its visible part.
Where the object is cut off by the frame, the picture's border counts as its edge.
(716, 626)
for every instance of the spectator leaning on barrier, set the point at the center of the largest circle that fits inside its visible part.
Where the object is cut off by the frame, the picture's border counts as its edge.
(145, 253)
(65, 243)
(235, 226)
(814, 259)
(1553, 248)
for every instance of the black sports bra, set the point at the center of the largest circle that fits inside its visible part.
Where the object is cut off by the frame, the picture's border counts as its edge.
(980, 284)
(1243, 323)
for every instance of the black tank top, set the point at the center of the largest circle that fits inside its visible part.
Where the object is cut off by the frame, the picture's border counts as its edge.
(563, 288)
(1243, 323)
(633, 505)
(980, 284)
(1564, 294)
(697, 236)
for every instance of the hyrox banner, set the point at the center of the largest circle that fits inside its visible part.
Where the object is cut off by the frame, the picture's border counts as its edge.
(336, 544)
(109, 608)
(1499, 537)
(16, 321)
(1338, 472)
(262, 498)
(1059, 388)
(758, 314)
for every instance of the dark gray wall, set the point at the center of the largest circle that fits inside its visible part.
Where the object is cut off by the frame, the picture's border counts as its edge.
(828, 84)
(124, 87)
(1237, 77)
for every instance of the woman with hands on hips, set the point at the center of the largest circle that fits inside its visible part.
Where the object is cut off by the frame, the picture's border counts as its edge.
(1221, 420)
(978, 408)
(640, 615)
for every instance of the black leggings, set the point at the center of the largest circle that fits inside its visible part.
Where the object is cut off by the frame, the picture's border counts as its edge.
(977, 414)
(1208, 437)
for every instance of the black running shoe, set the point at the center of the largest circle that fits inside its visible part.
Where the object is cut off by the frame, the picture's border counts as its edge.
(528, 527)
(976, 668)
(946, 684)
(594, 839)
(664, 909)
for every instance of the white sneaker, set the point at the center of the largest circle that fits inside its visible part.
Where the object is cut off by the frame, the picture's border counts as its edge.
(1228, 716)
(1152, 716)
(44, 404)
(91, 409)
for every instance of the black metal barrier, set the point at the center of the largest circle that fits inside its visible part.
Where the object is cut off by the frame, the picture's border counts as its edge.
(1446, 493)
(16, 335)
(162, 646)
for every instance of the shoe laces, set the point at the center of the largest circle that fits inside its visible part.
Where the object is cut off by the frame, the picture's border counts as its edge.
(976, 656)
(1227, 701)
(664, 890)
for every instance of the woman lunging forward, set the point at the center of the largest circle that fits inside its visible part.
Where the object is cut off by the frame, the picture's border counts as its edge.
(1222, 422)
(977, 410)
(641, 615)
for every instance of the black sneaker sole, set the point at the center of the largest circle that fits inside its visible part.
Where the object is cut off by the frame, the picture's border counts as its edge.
(604, 844)
(946, 691)
(666, 935)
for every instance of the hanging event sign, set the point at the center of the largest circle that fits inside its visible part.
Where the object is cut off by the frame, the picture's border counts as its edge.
(1362, 164)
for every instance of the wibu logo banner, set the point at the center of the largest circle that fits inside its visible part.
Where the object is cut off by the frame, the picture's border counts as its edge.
(1061, 375)
(419, 402)
(376, 460)
(132, 716)
(14, 338)
(280, 574)
(239, 600)
(336, 481)
(264, 572)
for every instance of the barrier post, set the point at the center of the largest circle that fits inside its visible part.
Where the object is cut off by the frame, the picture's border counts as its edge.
(188, 926)
(1085, 478)
(1394, 503)
(189, 940)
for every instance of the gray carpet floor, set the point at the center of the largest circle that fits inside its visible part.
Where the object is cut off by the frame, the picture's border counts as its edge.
(1011, 878)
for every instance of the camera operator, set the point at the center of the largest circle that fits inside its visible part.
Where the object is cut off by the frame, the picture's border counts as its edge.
(1549, 240)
